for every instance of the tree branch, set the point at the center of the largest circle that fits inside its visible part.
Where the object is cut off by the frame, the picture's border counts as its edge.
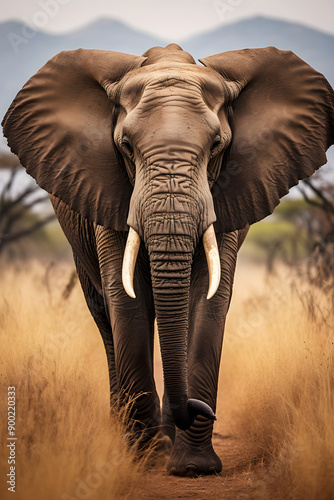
(30, 230)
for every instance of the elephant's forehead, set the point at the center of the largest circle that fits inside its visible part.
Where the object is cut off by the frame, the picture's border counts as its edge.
(173, 78)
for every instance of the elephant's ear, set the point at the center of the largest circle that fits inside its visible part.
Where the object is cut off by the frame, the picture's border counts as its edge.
(282, 122)
(60, 126)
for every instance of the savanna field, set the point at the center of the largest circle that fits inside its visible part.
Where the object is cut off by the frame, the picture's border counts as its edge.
(275, 427)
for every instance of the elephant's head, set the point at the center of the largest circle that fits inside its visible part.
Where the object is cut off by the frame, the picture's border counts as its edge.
(169, 148)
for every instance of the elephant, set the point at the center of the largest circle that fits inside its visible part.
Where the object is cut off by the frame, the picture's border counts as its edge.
(156, 166)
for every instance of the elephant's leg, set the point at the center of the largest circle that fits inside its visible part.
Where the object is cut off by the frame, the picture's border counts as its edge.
(80, 233)
(132, 324)
(97, 309)
(193, 452)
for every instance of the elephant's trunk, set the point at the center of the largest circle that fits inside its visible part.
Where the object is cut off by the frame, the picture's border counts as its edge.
(171, 282)
(171, 272)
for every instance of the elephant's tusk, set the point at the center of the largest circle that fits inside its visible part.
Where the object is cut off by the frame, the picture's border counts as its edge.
(212, 257)
(129, 262)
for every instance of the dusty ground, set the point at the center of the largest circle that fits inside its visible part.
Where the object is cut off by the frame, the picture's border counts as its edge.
(235, 481)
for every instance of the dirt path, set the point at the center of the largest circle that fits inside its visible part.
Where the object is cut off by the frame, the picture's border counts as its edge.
(236, 482)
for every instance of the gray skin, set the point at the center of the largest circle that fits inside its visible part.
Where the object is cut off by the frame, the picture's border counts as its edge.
(168, 148)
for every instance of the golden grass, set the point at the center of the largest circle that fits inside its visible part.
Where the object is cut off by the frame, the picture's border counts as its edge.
(277, 391)
(67, 444)
(278, 372)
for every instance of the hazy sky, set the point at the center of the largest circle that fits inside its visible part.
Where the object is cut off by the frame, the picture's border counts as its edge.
(165, 18)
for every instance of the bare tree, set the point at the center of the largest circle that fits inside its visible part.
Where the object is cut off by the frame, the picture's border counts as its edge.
(320, 264)
(301, 233)
(15, 208)
(322, 198)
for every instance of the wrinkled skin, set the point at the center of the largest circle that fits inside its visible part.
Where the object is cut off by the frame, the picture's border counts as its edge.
(162, 156)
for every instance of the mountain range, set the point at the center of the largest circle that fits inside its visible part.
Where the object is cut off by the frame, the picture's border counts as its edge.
(23, 51)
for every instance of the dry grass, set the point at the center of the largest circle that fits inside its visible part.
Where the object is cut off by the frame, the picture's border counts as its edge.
(277, 389)
(278, 372)
(67, 444)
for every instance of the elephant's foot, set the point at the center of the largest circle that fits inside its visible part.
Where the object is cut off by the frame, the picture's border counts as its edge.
(193, 460)
(193, 454)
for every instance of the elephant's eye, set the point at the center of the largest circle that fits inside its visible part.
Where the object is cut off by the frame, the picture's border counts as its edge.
(216, 143)
(126, 145)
